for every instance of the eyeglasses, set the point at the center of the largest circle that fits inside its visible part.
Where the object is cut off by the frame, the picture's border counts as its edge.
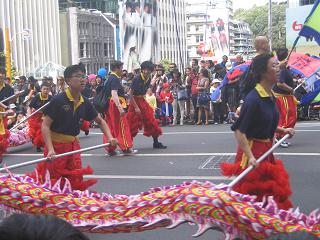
(80, 76)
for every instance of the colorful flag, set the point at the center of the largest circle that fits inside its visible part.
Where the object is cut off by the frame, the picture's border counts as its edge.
(303, 64)
(235, 72)
(311, 28)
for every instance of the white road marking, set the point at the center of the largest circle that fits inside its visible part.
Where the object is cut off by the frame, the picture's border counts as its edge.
(159, 177)
(162, 154)
(221, 178)
(209, 132)
(207, 161)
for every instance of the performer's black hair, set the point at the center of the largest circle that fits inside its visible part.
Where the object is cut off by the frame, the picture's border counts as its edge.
(116, 65)
(147, 65)
(38, 227)
(72, 69)
(282, 53)
(258, 66)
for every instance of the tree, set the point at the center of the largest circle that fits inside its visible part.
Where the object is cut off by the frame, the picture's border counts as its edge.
(257, 18)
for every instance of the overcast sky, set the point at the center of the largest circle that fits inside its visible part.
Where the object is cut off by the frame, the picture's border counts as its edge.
(249, 3)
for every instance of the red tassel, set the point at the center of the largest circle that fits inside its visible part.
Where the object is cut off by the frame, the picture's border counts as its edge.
(268, 179)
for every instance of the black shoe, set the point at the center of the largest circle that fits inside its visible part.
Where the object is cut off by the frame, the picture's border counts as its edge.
(159, 145)
(39, 149)
(86, 132)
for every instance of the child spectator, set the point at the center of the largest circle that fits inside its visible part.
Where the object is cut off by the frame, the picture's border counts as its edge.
(216, 104)
(151, 99)
(166, 99)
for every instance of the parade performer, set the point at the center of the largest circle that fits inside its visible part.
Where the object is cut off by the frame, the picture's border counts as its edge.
(115, 114)
(35, 121)
(61, 126)
(140, 113)
(254, 131)
(286, 101)
(5, 92)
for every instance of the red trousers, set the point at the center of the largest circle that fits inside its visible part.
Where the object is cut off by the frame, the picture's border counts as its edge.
(4, 138)
(146, 119)
(287, 106)
(119, 128)
(69, 167)
(35, 134)
(269, 179)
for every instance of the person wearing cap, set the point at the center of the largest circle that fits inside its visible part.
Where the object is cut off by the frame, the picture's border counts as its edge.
(115, 115)
(35, 121)
(60, 128)
(140, 113)
(166, 99)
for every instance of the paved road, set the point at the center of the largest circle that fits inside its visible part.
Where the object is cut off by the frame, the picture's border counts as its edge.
(194, 152)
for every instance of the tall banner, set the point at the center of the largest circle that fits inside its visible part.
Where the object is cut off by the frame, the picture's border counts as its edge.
(217, 34)
(138, 32)
(295, 18)
(8, 55)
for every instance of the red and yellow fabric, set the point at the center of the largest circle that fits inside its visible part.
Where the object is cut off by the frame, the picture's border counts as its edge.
(146, 119)
(85, 126)
(4, 134)
(287, 107)
(69, 167)
(119, 126)
(268, 179)
(35, 133)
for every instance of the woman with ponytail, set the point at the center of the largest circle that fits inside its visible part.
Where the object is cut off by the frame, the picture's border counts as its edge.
(254, 132)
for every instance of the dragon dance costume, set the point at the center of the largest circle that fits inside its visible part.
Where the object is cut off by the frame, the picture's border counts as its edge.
(258, 121)
(146, 119)
(35, 121)
(64, 129)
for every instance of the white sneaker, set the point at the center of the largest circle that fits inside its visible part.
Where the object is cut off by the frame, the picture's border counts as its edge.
(130, 151)
(181, 123)
(284, 145)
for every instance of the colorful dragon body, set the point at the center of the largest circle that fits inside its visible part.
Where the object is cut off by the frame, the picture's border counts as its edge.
(209, 206)
(19, 137)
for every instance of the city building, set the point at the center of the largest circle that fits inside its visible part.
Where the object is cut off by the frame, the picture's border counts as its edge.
(243, 39)
(34, 31)
(172, 32)
(88, 37)
(210, 29)
(105, 6)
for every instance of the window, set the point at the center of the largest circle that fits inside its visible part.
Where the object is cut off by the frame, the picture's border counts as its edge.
(111, 50)
(93, 49)
(81, 52)
(105, 49)
(199, 38)
(87, 52)
(306, 2)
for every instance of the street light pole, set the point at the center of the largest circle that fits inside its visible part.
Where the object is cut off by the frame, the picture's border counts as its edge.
(270, 24)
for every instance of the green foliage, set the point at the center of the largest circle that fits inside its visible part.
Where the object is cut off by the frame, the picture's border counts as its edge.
(257, 18)
(165, 63)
